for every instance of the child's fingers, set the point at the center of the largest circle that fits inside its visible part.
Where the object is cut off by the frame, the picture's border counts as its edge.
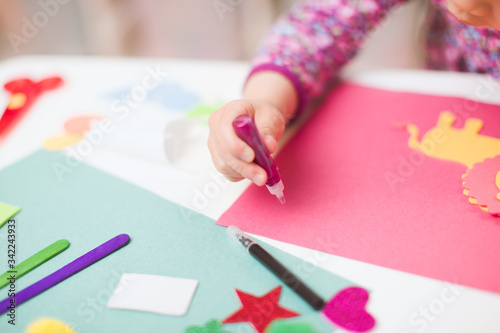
(225, 134)
(221, 165)
(270, 123)
(226, 171)
(271, 143)
(233, 145)
(230, 154)
(235, 167)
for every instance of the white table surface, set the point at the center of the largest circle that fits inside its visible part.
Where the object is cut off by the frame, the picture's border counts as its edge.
(397, 298)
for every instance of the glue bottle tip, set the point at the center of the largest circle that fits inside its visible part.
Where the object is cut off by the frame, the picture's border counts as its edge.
(281, 198)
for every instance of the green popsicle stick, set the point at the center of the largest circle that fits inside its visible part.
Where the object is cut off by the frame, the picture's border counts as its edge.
(34, 261)
(7, 212)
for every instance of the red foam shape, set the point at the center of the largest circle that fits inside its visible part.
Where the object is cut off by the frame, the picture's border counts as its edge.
(259, 311)
(32, 90)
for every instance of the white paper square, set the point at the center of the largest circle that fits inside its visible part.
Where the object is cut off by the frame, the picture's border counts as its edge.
(153, 293)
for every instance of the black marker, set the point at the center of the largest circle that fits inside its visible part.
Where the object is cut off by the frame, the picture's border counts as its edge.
(276, 267)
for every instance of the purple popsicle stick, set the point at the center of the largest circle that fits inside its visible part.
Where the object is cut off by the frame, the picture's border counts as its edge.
(65, 272)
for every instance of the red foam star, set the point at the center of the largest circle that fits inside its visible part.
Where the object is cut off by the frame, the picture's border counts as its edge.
(260, 311)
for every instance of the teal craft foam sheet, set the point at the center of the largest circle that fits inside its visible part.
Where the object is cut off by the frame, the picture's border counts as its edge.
(89, 207)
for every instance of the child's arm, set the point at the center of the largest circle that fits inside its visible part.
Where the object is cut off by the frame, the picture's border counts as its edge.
(305, 49)
(315, 39)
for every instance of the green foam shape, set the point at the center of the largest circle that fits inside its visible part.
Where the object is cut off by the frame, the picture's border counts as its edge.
(34, 261)
(286, 327)
(7, 212)
(202, 110)
(213, 326)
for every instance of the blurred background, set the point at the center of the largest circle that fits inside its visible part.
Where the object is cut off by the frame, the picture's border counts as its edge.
(201, 29)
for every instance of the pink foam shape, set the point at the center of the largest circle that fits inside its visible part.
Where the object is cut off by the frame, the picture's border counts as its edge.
(347, 309)
(481, 183)
(80, 124)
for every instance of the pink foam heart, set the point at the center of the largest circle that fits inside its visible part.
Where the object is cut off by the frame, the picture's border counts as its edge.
(347, 310)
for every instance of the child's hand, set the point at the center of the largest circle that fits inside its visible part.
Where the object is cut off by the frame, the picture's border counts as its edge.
(271, 99)
(231, 155)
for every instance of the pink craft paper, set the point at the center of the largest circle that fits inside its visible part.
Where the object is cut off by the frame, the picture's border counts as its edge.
(339, 201)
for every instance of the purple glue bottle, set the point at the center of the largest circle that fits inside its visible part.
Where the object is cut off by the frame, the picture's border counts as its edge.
(245, 128)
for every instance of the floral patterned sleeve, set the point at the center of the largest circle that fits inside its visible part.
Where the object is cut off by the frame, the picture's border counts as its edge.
(311, 42)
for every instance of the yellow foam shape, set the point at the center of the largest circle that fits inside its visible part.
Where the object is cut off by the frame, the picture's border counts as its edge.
(60, 142)
(461, 145)
(484, 208)
(474, 202)
(17, 100)
(48, 325)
